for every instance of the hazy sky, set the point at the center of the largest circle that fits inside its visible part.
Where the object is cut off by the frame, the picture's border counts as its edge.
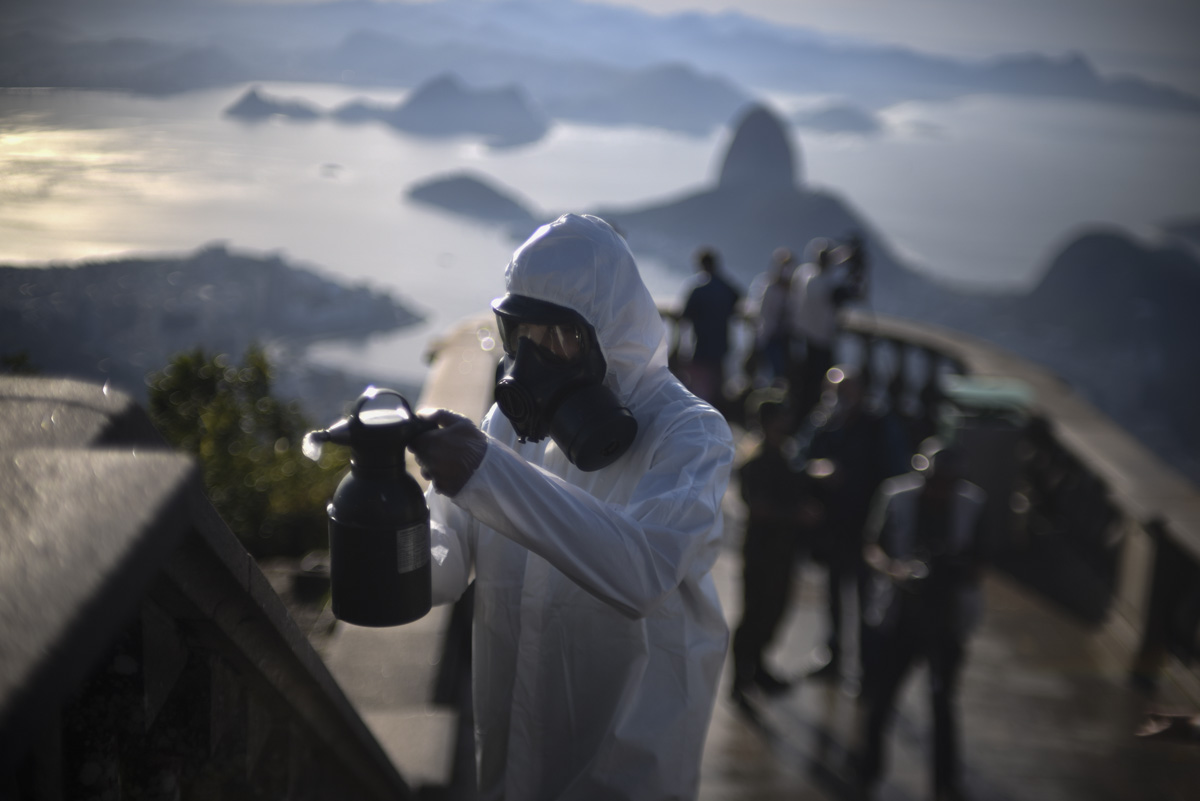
(1156, 38)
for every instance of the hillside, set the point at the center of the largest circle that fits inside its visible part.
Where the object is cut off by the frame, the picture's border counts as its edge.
(116, 320)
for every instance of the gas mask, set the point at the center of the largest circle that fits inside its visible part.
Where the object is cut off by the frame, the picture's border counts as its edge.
(553, 383)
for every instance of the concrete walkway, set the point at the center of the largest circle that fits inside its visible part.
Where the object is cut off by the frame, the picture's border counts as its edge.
(1045, 708)
(1047, 714)
(1046, 711)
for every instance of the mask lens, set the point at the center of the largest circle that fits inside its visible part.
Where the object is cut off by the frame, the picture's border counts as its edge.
(562, 341)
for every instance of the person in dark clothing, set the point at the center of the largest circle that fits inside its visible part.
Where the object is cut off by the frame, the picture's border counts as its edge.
(852, 450)
(857, 270)
(780, 510)
(925, 552)
(710, 305)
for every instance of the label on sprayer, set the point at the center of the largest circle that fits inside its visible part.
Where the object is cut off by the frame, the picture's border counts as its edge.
(412, 547)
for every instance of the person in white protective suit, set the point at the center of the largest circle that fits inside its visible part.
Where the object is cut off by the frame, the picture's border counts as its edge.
(589, 509)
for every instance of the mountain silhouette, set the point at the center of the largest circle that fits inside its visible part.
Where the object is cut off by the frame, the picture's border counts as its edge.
(547, 47)
(474, 197)
(255, 106)
(760, 156)
(758, 203)
(1111, 316)
(1115, 318)
(38, 59)
(445, 106)
(557, 51)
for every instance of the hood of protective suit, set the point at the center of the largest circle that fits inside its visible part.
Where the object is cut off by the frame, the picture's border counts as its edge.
(581, 263)
(599, 636)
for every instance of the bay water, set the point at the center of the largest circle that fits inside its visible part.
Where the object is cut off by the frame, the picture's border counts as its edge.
(981, 190)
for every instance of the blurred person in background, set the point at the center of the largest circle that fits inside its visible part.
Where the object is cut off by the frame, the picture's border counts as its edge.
(711, 303)
(924, 546)
(851, 450)
(770, 307)
(819, 289)
(858, 274)
(780, 513)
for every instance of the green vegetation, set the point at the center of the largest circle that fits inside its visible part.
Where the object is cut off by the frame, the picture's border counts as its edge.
(248, 444)
(18, 363)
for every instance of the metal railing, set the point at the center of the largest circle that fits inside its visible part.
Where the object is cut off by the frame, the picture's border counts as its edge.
(1081, 511)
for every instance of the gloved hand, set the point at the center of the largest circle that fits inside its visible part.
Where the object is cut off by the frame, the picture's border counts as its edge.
(449, 454)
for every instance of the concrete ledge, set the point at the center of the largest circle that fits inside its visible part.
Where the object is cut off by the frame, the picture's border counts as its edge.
(58, 413)
(84, 534)
(462, 371)
(462, 374)
(107, 542)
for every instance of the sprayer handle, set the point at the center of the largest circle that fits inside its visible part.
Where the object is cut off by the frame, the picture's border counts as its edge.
(371, 393)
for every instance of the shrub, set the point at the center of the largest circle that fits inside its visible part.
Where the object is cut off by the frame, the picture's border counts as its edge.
(248, 445)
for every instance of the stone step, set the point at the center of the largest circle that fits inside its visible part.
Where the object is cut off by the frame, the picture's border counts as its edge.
(389, 675)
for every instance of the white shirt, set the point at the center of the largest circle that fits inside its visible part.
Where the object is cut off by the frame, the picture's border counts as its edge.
(815, 314)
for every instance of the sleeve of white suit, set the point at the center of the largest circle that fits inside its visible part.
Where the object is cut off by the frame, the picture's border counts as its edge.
(631, 555)
(451, 548)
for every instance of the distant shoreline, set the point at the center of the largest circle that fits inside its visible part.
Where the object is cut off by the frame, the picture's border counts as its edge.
(118, 319)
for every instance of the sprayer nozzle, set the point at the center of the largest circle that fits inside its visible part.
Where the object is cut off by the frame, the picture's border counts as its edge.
(311, 445)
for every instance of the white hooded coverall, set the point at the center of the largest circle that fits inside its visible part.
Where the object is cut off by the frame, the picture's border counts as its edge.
(598, 635)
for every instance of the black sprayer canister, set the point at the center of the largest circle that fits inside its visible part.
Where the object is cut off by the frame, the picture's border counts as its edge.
(378, 520)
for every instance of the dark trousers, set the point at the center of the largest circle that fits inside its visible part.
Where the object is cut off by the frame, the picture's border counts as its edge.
(916, 635)
(847, 572)
(768, 566)
(817, 361)
(777, 352)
